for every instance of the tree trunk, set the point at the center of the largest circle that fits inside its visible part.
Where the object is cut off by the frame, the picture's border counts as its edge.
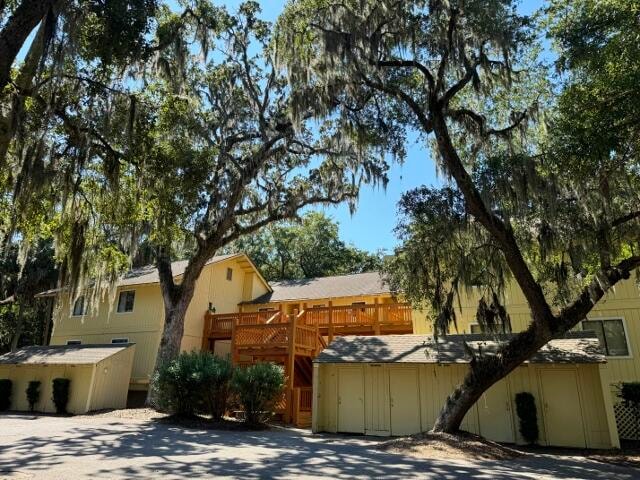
(176, 302)
(485, 370)
(18, 332)
(24, 81)
(12, 37)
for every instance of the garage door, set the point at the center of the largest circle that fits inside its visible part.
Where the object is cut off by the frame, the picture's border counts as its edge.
(405, 401)
(562, 409)
(494, 414)
(350, 400)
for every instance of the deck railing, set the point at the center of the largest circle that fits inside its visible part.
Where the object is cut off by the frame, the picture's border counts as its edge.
(330, 320)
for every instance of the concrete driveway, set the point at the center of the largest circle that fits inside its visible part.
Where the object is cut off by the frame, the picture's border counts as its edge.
(66, 448)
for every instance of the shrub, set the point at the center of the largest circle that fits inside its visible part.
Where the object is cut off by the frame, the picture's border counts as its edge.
(33, 394)
(192, 383)
(5, 394)
(60, 395)
(217, 376)
(258, 387)
(528, 415)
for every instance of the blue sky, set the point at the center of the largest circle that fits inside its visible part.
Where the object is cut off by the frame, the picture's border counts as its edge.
(371, 227)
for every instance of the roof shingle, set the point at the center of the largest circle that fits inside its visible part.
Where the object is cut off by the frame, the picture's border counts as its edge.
(355, 285)
(578, 347)
(62, 354)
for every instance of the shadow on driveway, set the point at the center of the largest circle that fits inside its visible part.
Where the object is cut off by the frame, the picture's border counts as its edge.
(108, 448)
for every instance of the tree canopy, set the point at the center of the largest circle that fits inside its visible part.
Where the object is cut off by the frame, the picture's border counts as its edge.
(310, 247)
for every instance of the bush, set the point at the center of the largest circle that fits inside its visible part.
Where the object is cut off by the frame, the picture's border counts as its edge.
(195, 382)
(5, 394)
(60, 395)
(528, 415)
(258, 388)
(33, 394)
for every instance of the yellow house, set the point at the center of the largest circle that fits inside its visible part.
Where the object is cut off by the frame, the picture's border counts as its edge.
(615, 320)
(134, 313)
(236, 312)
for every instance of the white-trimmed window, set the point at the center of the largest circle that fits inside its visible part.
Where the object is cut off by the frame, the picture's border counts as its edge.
(79, 307)
(229, 274)
(126, 301)
(611, 333)
(475, 328)
(74, 342)
(120, 340)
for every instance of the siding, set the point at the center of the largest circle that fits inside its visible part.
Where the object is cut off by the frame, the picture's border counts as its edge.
(144, 325)
(622, 302)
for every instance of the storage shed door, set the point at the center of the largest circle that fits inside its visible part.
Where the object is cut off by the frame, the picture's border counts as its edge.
(562, 409)
(350, 400)
(405, 401)
(494, 412)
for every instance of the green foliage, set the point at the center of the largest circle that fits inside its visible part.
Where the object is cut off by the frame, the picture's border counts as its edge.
(304, 249)
(33, 394)
(258, 387)
(22, 317)
(629, 392)
(5, 394)
(60, 395)
(195, 382)
(528, 416)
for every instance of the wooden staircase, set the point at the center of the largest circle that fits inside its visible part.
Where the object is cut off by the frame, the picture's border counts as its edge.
(293, 341)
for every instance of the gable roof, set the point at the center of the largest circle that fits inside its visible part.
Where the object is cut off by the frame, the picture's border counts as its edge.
(149, 273)
(62, 354)
(354, 285)
(577, 347)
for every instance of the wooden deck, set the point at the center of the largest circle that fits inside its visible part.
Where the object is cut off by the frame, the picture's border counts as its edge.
(294, 340)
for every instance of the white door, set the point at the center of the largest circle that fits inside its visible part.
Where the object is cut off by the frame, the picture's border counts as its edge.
(350, 400)
(405, 401)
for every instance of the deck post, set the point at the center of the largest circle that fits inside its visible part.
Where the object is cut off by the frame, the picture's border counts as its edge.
(330, 321)
(376, 319)
(290, 370)
(205, 332)
(234, 350)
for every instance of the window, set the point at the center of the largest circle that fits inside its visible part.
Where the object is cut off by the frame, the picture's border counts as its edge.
(229, 273)
(74, 342)
(475, 328)
(125, 301)
(611, 334)
(79, 307)
(119, 340)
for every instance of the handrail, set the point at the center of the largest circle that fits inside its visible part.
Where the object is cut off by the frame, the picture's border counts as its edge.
(273, 317)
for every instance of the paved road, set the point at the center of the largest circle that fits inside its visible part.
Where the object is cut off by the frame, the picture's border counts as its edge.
(72, 448)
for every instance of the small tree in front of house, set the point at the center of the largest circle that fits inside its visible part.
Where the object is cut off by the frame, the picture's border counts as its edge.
(60, 394)
(33, 394)
(258, 387)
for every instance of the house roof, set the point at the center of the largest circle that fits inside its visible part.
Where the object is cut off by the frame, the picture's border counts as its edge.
(149, 273)
(578, 347)
(354, 285)
(62, 354)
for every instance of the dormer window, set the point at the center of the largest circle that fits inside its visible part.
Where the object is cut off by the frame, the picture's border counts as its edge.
(79, 307)
(126, 300)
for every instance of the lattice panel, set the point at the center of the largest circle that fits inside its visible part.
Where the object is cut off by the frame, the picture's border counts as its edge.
(627, 423)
